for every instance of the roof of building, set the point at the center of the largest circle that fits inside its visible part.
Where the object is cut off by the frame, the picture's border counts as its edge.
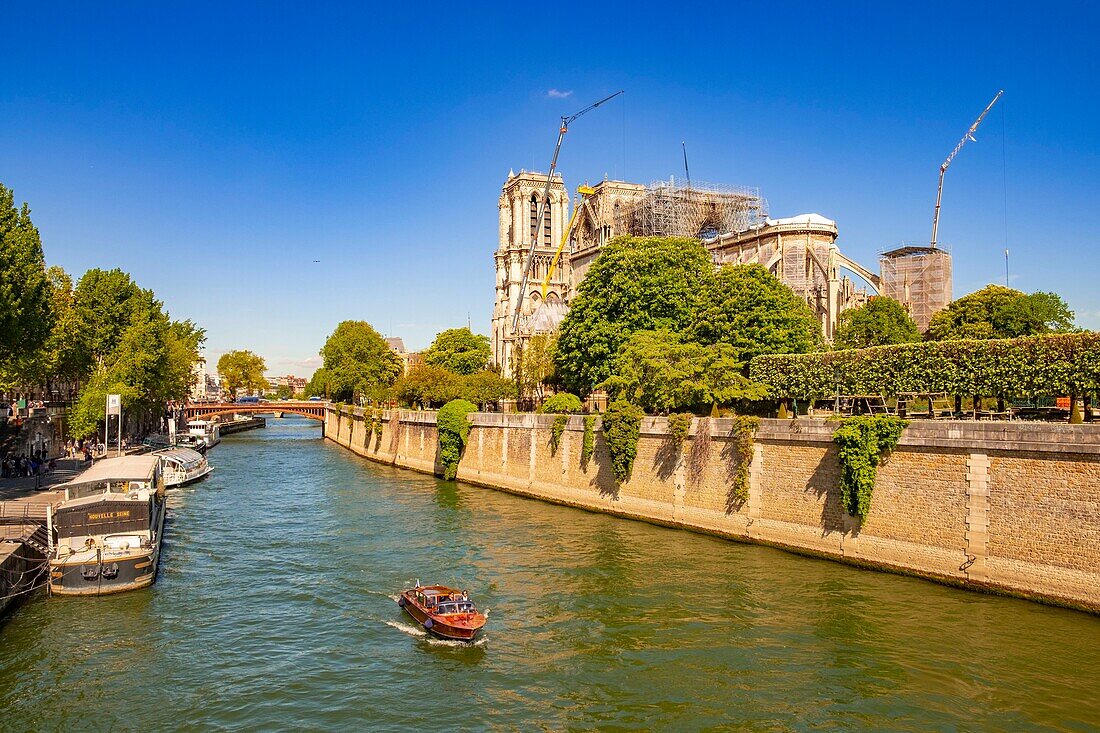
(547, 317)
(395, 343)
(802, 219)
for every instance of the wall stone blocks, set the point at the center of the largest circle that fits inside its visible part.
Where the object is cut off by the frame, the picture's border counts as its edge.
(1012, 508)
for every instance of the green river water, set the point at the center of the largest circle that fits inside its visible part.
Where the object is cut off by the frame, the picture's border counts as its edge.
(274, 610)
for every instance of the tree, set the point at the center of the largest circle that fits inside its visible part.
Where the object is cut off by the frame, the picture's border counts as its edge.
(748, 308)
(358, 363)
(460, 350)
(533, 365)
(241, 370)
(318, 384)
(636, 284)
(660, 372)
(485, 387)
(427, 385)
(997, 312)
(25, 312)
(878, 322)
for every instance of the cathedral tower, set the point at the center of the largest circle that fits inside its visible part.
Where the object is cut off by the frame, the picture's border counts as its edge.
(519, 204)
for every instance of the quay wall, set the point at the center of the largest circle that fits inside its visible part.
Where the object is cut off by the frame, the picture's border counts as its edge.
(1006, 507)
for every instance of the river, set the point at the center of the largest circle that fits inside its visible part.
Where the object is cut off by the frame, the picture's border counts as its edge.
(274, 610)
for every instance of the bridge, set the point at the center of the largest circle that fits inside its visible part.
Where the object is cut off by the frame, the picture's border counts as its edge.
(312, 409)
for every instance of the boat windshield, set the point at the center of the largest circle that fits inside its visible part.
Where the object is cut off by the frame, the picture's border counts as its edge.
(464, 607)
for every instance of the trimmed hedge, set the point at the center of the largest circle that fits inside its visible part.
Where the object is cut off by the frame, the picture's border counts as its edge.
(562, 402)
(1030, 366)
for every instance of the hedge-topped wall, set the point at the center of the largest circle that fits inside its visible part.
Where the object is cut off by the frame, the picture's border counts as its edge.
(1032, 366)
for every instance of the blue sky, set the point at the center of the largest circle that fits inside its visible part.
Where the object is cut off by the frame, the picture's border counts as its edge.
(216, 152)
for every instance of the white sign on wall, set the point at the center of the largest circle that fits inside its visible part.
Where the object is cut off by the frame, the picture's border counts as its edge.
(114, 404)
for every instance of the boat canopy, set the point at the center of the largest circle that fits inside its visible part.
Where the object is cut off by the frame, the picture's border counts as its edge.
(185, 458)
(123, 468)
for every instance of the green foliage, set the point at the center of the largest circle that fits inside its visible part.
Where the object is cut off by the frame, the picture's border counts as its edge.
(318, 384)
(748, 308)
(1075, 417)
(358, 363)
(376, 425)
(563, 402)
(879, 322)
(459, 350)
(1031, 366)
(679, 425)
(428, 385)
(533, 366)
(622, 428)
(588, 441)
(658, 371)
(636, 284)
(997, 312)
(26, 316)
(453, 426)
(556, 431)
(744, 436)
(241, 370)
(863, 441)
(149, 363)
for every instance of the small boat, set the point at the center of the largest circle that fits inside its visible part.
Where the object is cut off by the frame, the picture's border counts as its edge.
(443, 612)
(105, 536)
(207, 431)
(182, 466)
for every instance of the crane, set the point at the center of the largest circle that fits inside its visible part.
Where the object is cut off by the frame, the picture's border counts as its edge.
(943, 168)
(545, 200)
(584, 192)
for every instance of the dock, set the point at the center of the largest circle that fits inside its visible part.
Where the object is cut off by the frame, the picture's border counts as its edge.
(24, 544)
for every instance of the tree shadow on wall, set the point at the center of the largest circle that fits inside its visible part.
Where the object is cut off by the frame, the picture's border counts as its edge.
(604, 480)
(731, 462)
(825, 483)
(666, 458)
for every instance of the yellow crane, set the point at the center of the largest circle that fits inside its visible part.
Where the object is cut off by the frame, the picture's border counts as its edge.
(584, 192)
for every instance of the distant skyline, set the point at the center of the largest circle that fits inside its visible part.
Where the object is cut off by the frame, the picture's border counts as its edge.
(216, 152)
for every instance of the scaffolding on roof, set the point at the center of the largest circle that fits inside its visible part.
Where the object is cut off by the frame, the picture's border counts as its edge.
(918, 277)
(675, 208)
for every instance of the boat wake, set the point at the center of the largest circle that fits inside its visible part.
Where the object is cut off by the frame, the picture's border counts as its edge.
(419, 633)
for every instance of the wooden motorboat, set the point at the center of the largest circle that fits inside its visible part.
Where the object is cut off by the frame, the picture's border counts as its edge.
(444, 612)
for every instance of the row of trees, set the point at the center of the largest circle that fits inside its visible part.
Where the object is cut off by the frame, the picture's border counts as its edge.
(104, 335)
(994, 312)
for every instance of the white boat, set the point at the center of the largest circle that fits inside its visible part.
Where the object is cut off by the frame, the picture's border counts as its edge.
(182, 466)
(105, 536)
(205, 430)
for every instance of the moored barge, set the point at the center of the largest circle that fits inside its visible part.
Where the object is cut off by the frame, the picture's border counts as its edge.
(444, 612)
(106, 534)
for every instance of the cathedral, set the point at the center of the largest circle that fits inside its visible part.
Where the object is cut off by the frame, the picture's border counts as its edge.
(731, 222)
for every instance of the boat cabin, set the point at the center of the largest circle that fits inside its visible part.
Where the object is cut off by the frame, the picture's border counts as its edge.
(113, 503)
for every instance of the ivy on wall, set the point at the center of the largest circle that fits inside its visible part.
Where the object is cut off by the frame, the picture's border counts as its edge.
(376, 426)
(679, 425)
(621, 428)
(588, 443)
(744, 437)
(453, 428)
(556, 431)
(863, 442)
(1030, 366)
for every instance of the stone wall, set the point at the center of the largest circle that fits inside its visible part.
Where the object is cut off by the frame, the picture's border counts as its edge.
(999, 506)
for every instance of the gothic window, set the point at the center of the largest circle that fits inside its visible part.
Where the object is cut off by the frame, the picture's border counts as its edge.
(534, 206)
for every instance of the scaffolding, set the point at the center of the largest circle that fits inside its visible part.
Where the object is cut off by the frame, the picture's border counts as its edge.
(676, 208)
(919, 278)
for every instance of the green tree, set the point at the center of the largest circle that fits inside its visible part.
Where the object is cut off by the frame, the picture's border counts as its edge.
(358, 363)
(460, 350)
(636, 284)
(318, 384)
(878, 322)
(25, 293)
(427, 385)
(997, 312)
(241, 369)
(748, 308)
(533, 365)
(484, 387)
(661, 373)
